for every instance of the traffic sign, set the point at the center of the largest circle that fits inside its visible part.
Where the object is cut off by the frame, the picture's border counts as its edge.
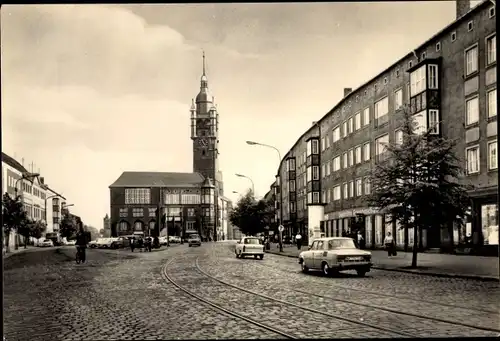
(281, 228)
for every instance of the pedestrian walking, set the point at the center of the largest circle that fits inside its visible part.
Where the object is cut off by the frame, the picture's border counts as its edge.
(298, 240)
(389, 245)
(361, 240)
(132, 244)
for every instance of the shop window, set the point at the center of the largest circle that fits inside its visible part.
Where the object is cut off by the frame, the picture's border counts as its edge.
(489, 222)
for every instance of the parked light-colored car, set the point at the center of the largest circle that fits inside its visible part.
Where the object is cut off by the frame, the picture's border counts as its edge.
(335, 254)
(70, 242)
(249, 246)
(194, 239)
(46, 243)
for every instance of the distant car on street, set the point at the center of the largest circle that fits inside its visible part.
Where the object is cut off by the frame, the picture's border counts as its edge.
(120, 242)
(46, 243)
(70, 242)
(174, 239)
(194, 239)
(163, 240)
(92, 244)
(335, 254)
(249, 246)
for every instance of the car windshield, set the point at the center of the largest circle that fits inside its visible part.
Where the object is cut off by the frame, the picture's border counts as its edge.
(341, 244)
(195, 236)
(255, 241)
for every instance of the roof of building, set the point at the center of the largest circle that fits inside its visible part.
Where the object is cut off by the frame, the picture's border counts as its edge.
(352, 94)
(13, 163)
(158, 179)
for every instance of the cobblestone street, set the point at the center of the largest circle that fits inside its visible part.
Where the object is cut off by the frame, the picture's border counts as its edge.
(120, 295)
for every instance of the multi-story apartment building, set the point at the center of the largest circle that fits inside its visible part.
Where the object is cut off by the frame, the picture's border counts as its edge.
(450, 79)
(34, 194)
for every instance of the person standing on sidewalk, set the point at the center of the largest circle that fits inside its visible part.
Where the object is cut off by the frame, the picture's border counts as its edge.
(360, 240)
(298, 240)
(389, 245)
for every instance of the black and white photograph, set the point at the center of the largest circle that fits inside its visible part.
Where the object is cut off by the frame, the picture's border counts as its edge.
(267, 170)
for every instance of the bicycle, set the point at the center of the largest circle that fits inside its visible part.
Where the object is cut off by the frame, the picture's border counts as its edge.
(79, 259)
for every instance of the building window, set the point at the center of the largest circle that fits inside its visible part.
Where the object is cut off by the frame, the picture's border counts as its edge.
(492, 12)
(381, 108)
(433, 76)
(471, 60)
(470, 26)
(398, 99)
(357, 121)
(438, 47)
(351, 157)
(172, 199)
(385, 80)
(323, 144)
(421, 122)
(491, 50)
(327, 139)
(315, 172)
(344, 129)
(357, 98)
(350, 125)
(323, 170)
(359, 157)
(434, 121)
(398, 137)
(492, 103)
(190, 199)
(137, 196)
(366, 116)
(292, 207)
(472, 156)
(123, 212)
(359, 187)
(152, 212)
(336, 163)
(417, 81)
(345, 164)
(351, 189)
(314, 146)
(336, 134)
(137, 212)
(424, 55)
(367, 186)
(328, 168)
(366, 151)
(453, 36)
(397, 73)
(472, 111)
(380, 144)
(410, 64)
(492, 155)
(291, 164)
(489, 222)
(315, 198)
(345, 190)
(336, 193)
(191, 212)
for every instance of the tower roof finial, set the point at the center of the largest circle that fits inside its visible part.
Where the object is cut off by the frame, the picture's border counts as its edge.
(203, 62)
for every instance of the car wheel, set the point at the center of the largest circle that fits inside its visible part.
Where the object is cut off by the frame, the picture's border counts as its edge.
(361, 272)
(304, 267)
(261, 257)
(255, 256)
(326, 269)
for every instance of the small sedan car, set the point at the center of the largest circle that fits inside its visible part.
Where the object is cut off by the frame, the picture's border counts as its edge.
(249, 246)
(46, 243)
(335, 254)
(70, 242)
(194, 239)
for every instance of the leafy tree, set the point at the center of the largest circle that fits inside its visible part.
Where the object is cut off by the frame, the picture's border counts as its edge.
(36, 228)
(68, 226)
(417, 182)
(13, 217)
(251, 216)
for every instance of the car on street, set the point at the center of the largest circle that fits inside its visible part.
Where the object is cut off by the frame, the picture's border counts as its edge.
(174, 239)
(193, 240)
(120, 242)
(249, 246)
(46, 243)
(334, 254)
(92, 244)
(163, 240)
(70, 242)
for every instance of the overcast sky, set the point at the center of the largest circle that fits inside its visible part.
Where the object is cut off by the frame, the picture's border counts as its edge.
(89, 91)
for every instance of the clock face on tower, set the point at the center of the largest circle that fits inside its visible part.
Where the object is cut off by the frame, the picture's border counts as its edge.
(202, 142)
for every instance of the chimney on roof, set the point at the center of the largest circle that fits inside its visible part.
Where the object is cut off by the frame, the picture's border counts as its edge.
(42, 179)
(347, 91)
(463, 6)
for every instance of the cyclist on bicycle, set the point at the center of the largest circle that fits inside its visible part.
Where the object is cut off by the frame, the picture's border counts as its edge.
(81, 243)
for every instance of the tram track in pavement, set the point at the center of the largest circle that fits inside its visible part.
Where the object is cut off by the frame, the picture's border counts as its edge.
(364, 305)
(351, 326)
(375, 293)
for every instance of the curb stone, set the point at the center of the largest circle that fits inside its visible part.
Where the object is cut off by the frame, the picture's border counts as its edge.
(417, 272)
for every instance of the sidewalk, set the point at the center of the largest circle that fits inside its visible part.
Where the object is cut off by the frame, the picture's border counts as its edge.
(433, 264)
(21, 249)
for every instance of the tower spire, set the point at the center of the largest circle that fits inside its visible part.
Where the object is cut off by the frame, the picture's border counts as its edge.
(204, 63)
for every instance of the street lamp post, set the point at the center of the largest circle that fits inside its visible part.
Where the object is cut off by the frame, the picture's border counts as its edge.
(244, 176)
(253, 143)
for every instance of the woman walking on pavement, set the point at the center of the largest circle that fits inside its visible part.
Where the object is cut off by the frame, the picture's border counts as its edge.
(298, 240)
(389, 245)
